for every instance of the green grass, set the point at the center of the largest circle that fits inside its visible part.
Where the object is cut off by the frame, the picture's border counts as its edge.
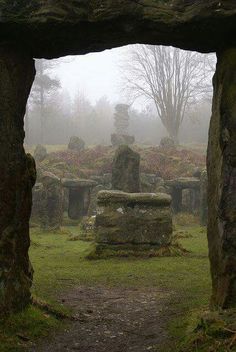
(20, 330)
(60, 264)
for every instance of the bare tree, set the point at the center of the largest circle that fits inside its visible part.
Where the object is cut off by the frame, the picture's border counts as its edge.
(171, 78)
(43, 86)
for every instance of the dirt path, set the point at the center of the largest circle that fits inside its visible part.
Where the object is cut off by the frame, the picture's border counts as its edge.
(113, 320)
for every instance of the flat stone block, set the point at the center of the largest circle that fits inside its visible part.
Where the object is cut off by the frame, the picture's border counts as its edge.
(141, 218)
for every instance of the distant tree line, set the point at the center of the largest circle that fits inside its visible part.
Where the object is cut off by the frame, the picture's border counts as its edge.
(52, 117)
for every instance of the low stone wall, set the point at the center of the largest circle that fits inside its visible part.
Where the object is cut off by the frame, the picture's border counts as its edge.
(134, 221)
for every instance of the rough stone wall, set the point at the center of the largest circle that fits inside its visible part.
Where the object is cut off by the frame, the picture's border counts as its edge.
(74, 26)
(221, 163)
(17, 178)
(203, 198)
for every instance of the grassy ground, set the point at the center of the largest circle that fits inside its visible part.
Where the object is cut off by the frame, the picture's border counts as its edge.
(60, 264)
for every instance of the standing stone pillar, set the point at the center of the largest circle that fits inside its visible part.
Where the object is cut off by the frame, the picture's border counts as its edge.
(17, 178)
(203, 198)
(77, 198)
(221, 164)
(51, 202)
(126, 170)
(176, 199)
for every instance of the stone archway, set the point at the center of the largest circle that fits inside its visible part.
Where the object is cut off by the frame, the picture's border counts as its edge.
(43, 28)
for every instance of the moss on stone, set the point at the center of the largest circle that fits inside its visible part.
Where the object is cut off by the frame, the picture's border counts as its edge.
(113, 197)
(103, 251)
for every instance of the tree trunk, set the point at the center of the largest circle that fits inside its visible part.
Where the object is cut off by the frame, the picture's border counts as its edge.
(17, 177)
(221, 163)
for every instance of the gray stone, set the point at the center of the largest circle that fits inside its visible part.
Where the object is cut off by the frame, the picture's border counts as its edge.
(133, 218)
(203, 198)
(167, 143)
(176, 190)
(77, 144)
(79, 196)
(118, 139)
(36, 203)
(125, 170)
(93, 200)
(160, 22)
(121, 117)
(51, 213)
(40, 153)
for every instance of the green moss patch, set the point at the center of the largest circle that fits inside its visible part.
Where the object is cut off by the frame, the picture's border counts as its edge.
(215, 331)
(105, 251)
(20, 331)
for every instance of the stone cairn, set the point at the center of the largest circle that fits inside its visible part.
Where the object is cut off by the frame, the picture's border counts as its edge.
(121, 118)
(128, 222)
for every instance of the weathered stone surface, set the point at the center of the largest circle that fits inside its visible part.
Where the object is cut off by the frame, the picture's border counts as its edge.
(198, 25)
(158, 199)
(192, 184)
(104, 180)
(76, 144)
(121, 117)
(117, 139)
(88, 228)
(150, 182)
(79, 196)
(51, 213)
(17, 178)
(40, 153)
(167, 143)
(78, 183)
(184, 182)
(36, 203)
(221, 165)
(140, 218)
(93, 200)
(121, 135)
(203, 198)
(125, 170)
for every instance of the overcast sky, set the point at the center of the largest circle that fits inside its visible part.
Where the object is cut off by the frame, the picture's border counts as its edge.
(94, 74)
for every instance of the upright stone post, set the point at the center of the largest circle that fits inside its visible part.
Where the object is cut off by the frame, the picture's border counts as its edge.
(221, 164)
(177, 199)
(203, 198)
(126, 170)
(17, 177)
(51, 202)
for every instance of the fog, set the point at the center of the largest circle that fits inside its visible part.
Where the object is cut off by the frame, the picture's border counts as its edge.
(77, 96)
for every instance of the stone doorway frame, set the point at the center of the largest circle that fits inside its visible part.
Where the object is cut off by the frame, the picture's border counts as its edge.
(186, 25)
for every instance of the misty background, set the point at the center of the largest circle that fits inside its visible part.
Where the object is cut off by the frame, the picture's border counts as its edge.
(77, 96)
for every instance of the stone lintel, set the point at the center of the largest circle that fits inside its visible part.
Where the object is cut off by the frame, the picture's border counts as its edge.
(78, 183)
(184, 182)
(153, 199)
